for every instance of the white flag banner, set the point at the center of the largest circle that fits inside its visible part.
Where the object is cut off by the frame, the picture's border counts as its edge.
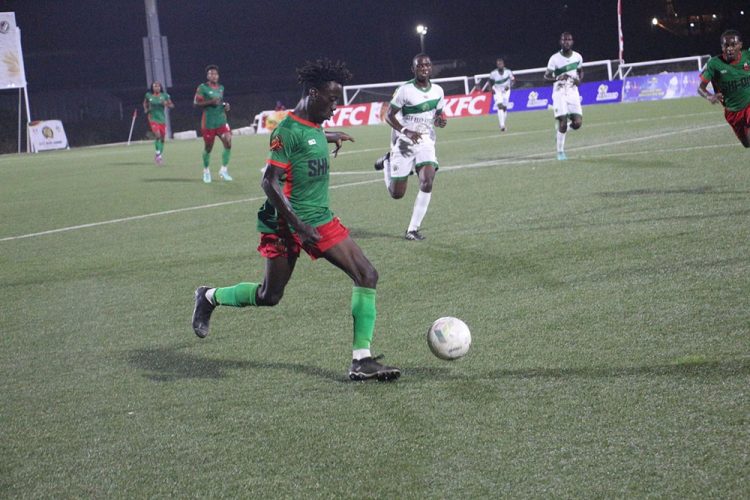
(11, 57)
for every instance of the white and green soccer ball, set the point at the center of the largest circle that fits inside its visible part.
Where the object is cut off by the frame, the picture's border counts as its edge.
(449, 338)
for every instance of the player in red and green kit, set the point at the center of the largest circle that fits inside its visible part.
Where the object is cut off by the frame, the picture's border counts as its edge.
(729, 73)
(153, 107)
(210, 97)
(297, 216)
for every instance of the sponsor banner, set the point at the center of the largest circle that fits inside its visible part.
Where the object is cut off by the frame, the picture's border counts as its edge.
(370, 113)
(468, 105)
(604, 92)
(47, 134)
(662, 86)
(11, 57)
(536, 98)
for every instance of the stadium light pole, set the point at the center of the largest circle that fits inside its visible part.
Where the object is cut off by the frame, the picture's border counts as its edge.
(421, 31)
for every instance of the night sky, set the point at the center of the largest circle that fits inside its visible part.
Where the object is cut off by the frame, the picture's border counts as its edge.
(257, 44)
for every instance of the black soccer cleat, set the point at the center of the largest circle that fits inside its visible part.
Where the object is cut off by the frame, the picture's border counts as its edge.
(413, 235)
(202, 312)
(380, 163)
(369, 368)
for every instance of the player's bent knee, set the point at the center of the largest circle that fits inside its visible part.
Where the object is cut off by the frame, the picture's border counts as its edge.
(368, 277)
(269, 299)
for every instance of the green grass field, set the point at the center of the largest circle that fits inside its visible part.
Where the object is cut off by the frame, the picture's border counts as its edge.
(608, 298)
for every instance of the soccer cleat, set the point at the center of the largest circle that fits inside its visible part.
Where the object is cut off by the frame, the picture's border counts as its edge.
(158, 159)
(502, 129)
(413, 235)
(561, 156)
(207, 177)
(202, 312)
(225, 175)
(369, 368)
(380, 164)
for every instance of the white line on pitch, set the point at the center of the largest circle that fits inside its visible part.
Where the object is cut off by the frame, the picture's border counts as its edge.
(532, 158)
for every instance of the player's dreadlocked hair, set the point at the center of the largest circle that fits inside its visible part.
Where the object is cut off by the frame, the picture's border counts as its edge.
(315, 74)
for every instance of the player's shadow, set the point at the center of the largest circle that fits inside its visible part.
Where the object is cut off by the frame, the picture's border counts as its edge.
(695, 368)
(167, 364)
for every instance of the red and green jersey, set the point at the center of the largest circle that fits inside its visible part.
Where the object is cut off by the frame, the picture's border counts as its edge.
(156, 104)
(731, 79)
(300, 148)
(214, 115)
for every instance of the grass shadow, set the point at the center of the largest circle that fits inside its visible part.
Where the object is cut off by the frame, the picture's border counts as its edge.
(167, 364)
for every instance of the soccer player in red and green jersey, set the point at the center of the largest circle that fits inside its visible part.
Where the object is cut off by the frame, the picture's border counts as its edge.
(297, 216)
(729, 73)
(210, 97)
(153, 107)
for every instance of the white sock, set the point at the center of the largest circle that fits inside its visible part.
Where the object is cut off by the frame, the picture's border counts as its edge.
(387, 174)
(210, 295)
(361, 353)
(560, 142)
(223, 169)
(206, 171)
(502, 118)
(420, 209)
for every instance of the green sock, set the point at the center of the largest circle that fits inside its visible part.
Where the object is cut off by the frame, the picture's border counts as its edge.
(158, 145)
(364, 313)
(225, 157)
(206, 158)
(240, 295)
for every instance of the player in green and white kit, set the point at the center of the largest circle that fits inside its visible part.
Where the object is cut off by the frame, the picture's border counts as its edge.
(729, 74)
(210, 97)
(415, 109)
(297, 216)
(154, 103)
(501, 81)
(565, 68)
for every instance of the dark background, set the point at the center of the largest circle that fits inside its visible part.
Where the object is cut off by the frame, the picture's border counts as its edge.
(84, 58)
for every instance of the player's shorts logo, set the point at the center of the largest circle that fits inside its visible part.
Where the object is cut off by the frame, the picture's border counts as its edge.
(4, 27)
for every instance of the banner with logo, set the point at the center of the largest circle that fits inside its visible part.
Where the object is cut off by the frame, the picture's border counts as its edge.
(11, 58)
(46, 135)
(536, 98)
(662, 86)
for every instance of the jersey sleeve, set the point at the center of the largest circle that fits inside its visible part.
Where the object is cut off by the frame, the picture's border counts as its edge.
(441, 102)
(199, 97)
(510, 75)
(397, 101)
(551, 64)
(280, 148)
(708, 72)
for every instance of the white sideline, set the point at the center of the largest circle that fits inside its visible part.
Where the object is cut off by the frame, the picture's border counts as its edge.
(532, 158)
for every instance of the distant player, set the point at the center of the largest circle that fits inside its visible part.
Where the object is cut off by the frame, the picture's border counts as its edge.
(296, 216)
(729, 74)
(565, 69)
(501, 81)
(416, 107)
(210, 97)
(153, 107)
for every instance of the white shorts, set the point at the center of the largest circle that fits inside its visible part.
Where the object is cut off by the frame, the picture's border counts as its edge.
(502, 96)
(407, 156)
(566, 100)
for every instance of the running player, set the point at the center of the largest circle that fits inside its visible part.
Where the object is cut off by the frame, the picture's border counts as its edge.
(565, 69)
(729, 74)
(210, 97)
(416, 107)
(501, 80)
(154, 103)
(296, 216)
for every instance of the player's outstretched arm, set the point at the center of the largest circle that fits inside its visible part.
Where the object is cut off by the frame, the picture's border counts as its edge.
(337, 138)
(714, 98)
